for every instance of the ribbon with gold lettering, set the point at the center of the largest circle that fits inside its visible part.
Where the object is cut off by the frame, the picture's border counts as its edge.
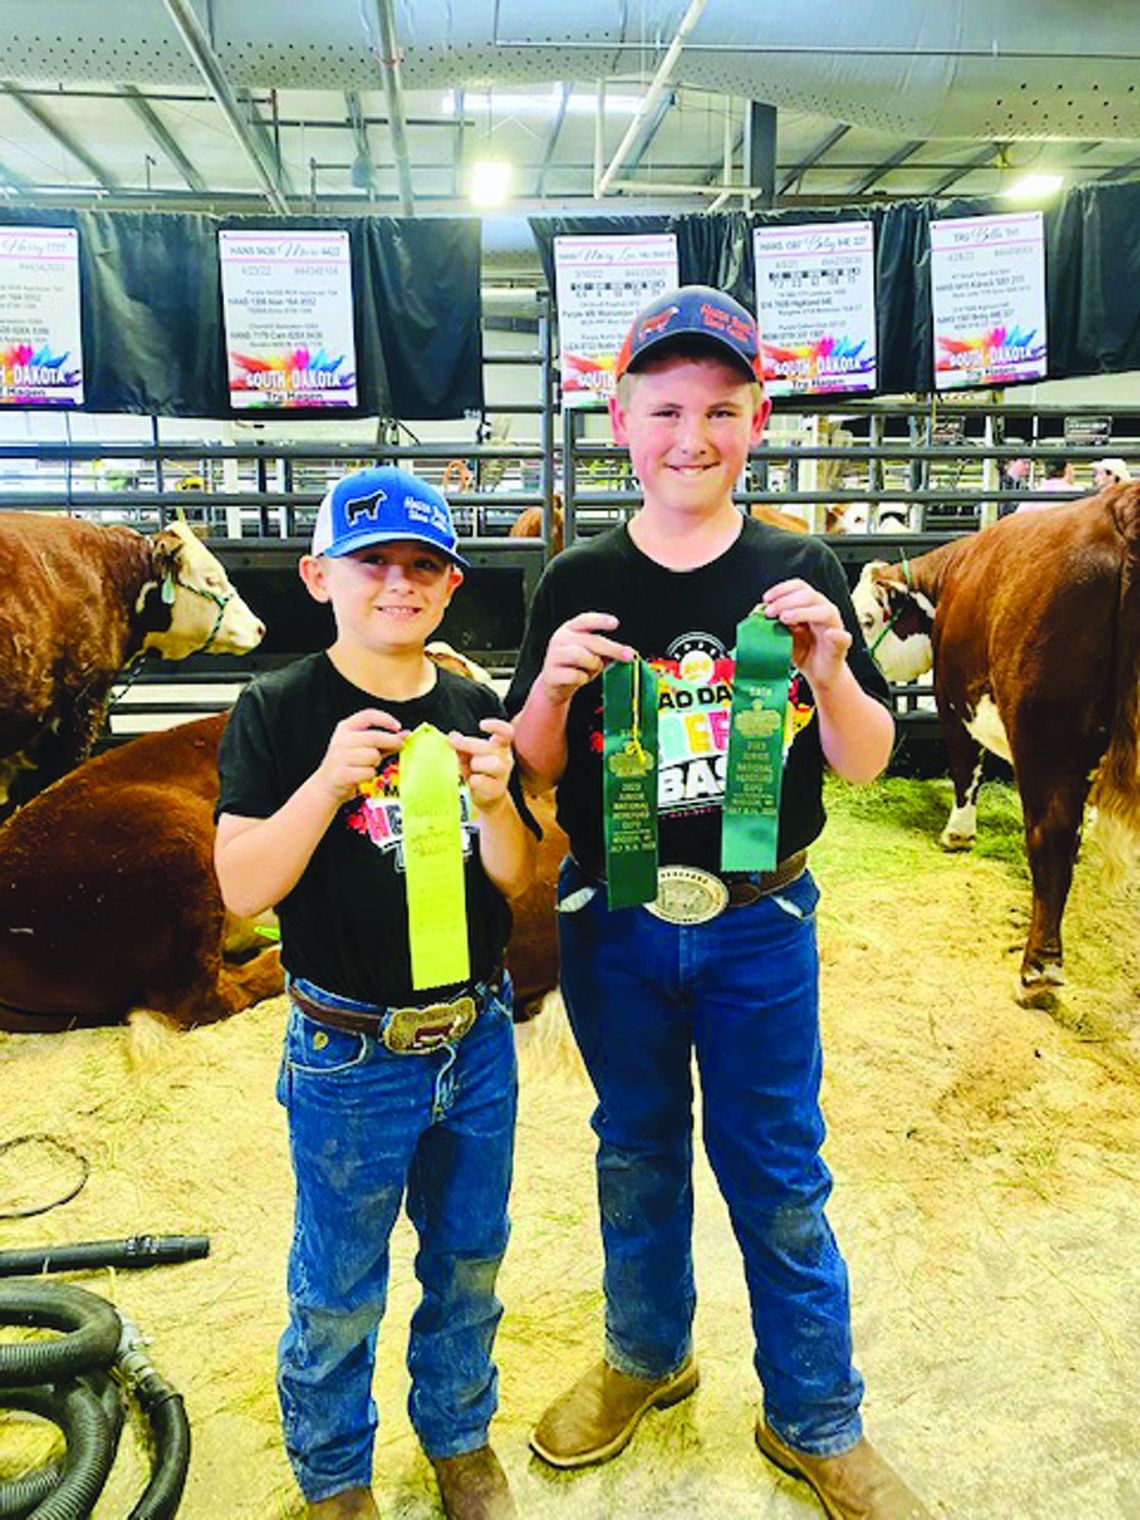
(751, 820)
(629, 781)
(433, 859)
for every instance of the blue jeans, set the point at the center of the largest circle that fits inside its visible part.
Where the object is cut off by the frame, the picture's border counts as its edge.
(366, 1126)
(742, 990)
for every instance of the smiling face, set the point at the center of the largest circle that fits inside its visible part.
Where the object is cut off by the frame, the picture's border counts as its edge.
(688, 424)
(387, 598)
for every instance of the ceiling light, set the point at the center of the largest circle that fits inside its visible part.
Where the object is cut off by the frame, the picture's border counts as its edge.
(490, 181)
(1034, 187)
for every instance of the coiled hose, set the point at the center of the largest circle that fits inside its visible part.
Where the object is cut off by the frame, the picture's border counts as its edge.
(69, 1382)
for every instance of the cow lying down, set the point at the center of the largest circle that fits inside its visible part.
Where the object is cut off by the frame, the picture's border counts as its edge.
(1033, 627)
(78, 603)
(108, 898)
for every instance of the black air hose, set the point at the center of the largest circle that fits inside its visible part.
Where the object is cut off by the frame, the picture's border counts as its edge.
(20, 1497)
(134, 1251)
(92, 1333)
(88, 1409)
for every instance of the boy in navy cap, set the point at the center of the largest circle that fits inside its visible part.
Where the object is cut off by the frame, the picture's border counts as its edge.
(728, 966)
(391, 1091)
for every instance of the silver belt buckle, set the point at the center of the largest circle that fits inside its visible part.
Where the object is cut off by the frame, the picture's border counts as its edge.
(687, 895)
(419, 1031)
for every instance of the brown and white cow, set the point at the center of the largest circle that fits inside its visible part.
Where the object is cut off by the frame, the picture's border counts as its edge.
(109, 901)
(108, 898)
(78, 603)
(528, 524)
(1033, 627)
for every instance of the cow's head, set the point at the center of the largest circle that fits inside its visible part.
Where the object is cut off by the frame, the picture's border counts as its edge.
(205, 612)
(895, 620)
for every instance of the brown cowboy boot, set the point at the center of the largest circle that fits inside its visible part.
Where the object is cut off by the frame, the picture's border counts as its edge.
(473, 1486)
(350, 1504)
(597, 1417)
(854, 1485)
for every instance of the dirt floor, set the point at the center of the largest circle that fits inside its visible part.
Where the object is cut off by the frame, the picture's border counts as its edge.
(987, 1163)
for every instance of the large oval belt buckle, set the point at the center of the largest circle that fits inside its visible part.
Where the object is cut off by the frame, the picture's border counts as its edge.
(687, 895)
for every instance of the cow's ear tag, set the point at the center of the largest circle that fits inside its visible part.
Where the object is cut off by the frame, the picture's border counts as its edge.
(168, 590)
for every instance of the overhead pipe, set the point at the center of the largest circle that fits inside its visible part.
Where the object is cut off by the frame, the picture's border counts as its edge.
(397, 121)
(182, 13)
(656, 89)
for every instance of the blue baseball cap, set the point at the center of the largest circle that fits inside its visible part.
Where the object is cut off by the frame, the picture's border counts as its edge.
(383, 506)
(693, 311)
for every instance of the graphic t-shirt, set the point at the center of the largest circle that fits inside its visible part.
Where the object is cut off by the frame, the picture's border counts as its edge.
(683, 622)
(344, 925)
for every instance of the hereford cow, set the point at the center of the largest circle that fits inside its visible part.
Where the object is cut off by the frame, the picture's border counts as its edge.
(79, 603)
(109, 901)
(1033, 627)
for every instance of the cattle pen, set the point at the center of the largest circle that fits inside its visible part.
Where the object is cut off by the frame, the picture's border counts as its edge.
(986, 1159)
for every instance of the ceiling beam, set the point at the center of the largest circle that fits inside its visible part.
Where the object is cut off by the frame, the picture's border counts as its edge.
(552, 137)
(1130, 167)
(268, 146)
(819, 151)
(62, 136)
(394, 89)
(657, 86)
(190, 29)
(893, 162)
(10, 180)
(457, 142)
(651, 129)
(979, 161)
(162, 136)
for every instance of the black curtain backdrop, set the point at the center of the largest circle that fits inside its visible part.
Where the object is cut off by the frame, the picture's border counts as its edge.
(151, 303)
(1092, 272)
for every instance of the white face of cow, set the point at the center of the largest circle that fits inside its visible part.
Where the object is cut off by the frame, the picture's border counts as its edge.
(900, 659)
(207, 614)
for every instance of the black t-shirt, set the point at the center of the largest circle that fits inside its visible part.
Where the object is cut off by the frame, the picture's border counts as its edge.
(344, 925)
(684, 623)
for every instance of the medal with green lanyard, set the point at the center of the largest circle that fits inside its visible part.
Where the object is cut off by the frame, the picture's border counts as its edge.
(750, 823)
(629, 781)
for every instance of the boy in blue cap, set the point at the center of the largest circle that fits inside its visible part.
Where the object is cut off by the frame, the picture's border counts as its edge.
(390, 1090)
(723, 964)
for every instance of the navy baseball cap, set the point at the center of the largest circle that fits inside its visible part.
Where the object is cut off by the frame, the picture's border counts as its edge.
(383, 506)
(693, 311)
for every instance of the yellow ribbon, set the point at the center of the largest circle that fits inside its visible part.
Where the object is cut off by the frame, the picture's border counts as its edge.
(433, 860)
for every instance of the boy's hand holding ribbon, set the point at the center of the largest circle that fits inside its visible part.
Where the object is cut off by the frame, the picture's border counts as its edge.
(819, 640)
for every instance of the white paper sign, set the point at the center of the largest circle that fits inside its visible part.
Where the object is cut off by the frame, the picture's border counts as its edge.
(815, 303)
(601, 284)
(287, 300)
(987, 276)
(41, 351)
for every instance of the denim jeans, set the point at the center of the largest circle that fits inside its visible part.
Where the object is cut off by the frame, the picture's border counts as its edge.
(742, 990)
(366, 1127)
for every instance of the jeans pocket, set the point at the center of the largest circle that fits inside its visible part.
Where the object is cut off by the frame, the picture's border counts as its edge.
(313, 1049)
(575, 889)
(799, 898)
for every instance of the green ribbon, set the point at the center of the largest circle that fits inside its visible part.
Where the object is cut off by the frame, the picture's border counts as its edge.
(751, 820)
(433, 860)
(629, 782)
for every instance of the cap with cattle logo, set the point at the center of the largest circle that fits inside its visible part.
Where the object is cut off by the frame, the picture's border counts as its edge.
(696, 311)
(382, 506)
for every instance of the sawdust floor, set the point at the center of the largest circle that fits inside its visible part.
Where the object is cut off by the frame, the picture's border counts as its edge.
(987, 1163)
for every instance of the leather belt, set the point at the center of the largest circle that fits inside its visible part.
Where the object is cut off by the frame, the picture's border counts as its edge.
(743, 890)
(404, 1031)
(689, 895)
